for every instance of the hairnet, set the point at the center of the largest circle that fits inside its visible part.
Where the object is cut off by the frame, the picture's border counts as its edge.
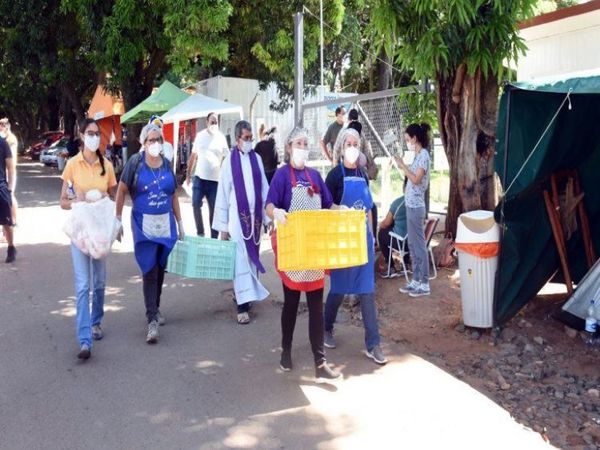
(147, 130)
(341, 139)
(295, 134)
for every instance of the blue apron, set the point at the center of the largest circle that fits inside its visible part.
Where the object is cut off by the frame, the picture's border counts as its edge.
(359, 279)
(152, 220)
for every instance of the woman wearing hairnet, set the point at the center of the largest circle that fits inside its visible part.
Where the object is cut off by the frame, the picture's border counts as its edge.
(349, 186)
(155, 218)
(295, 187)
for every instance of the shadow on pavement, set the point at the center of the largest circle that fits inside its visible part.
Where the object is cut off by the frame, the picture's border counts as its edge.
(208, 383)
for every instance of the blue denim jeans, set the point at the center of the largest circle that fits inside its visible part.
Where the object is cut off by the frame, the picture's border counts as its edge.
(200, 189)
(82, 266)
(415, 219)
(367, 309)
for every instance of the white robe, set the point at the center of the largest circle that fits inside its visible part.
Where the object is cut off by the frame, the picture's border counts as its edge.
(246, 285)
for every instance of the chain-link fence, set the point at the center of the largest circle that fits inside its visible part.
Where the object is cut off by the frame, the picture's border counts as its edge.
(381, 115)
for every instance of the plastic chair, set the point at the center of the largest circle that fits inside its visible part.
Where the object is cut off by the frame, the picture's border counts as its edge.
(430, 227)
(400, 249)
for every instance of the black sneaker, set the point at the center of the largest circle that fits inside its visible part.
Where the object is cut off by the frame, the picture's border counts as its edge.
(329, 340)
(286, 361)
(11, 254)
(84, 352)
(324, 372)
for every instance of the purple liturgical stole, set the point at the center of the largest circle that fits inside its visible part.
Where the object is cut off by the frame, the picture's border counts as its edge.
(250, 231)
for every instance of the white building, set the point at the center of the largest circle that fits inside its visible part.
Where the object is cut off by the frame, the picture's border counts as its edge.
(256, 104)
(561, 42)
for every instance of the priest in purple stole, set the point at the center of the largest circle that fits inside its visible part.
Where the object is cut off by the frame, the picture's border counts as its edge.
(240, 215)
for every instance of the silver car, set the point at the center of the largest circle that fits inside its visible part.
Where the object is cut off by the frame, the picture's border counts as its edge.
(49, 156)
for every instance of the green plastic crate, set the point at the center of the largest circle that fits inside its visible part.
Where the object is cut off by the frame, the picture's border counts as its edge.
(204, 258)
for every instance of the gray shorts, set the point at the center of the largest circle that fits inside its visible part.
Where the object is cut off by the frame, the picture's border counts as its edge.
(5, 206)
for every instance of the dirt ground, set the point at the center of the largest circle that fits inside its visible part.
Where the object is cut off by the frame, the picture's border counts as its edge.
(543, 373)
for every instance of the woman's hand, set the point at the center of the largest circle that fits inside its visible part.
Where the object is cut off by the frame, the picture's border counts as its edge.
(180, 230)
(224, 236)
(339, 207)
(120, 225)
(280, 215)
(400, 161)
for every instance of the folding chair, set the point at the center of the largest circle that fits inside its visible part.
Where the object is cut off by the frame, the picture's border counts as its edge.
(400, 249)
(430, 227)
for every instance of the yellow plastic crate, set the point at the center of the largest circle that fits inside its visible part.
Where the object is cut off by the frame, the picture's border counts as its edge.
(322, 239)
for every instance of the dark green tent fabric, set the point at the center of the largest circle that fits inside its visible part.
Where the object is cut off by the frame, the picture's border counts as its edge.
(528, 256)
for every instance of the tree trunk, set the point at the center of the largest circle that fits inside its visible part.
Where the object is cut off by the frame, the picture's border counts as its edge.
(467, 108)
(384, 79)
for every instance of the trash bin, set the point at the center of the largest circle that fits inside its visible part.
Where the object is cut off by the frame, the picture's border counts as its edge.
(477, 244)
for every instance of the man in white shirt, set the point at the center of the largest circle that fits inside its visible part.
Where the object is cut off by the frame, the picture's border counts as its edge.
(208, 152)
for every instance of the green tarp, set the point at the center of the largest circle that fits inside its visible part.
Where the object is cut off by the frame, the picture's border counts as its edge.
(166, 97)
(572, 141)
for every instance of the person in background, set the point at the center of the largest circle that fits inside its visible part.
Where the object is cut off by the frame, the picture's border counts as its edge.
(366, 160)
(167, 148)
(240, 215)
(73, 145)
(13, 143)
(155, 218)
(328, 141)
(208, 152)
(417, 139)
(267, 150)
(349, 186)
(296, 187)
(7, 186)
(395, 220)
(86, 171)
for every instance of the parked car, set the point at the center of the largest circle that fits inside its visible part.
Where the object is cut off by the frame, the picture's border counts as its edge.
(49, 156)
(44, 141)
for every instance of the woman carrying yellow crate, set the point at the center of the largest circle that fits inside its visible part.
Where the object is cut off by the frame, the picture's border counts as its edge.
(295, 187)
(349, 186)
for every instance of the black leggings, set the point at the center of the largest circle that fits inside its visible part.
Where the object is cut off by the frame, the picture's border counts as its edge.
(314, 300)
(153, 281)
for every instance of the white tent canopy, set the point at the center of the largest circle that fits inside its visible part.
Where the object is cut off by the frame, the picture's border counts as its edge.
(195, 107)
(199, 105)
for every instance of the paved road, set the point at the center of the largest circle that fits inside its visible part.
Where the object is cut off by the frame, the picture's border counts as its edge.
(209, 383)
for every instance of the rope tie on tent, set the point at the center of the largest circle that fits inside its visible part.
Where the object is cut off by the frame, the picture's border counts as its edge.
(566, 99)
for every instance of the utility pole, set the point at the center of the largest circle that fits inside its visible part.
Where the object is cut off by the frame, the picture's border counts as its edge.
(299, 66)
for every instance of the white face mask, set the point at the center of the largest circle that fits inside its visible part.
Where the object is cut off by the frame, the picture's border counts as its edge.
(299, 157)
(213, 129)
(3, 134)
(411, 146)
(91, 142)
(155, 149)
(351, 154)
(246, 146)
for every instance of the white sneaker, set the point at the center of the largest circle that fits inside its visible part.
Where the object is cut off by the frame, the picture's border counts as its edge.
(421, 290)
(152, 336)
(410, 287)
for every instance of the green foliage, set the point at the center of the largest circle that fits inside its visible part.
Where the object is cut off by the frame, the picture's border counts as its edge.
(137, 41)
(436, 36)
(42, 64)
(421, 108)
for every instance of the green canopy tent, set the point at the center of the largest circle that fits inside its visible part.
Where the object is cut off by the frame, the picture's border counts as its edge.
(166, 97)
(543, 127)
